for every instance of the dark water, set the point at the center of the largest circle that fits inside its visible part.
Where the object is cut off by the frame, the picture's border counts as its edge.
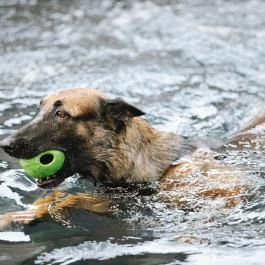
(195, 67)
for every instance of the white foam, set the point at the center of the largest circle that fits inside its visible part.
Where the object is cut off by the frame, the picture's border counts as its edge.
(196, 255)
(14, 237)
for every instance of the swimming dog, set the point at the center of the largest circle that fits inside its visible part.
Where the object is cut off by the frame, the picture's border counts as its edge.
(109, 142)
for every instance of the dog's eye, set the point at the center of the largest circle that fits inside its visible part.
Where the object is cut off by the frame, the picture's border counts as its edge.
(61, 114)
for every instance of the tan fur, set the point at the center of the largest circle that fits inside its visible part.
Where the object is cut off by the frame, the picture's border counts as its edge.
(142, 154)
(76, 102)
(194, 181)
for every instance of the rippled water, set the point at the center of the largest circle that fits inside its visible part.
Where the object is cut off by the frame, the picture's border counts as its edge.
(195, 67)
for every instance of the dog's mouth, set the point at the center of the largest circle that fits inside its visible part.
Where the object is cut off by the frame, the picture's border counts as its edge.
(48, 181)
(57, 178)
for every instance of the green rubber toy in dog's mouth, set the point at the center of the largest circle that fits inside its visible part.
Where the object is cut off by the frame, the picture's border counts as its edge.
(44, 166)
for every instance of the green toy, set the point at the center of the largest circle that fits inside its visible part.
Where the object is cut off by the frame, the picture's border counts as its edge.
(44, 164)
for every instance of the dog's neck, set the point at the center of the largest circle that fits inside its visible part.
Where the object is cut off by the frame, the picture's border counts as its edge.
(143, 153)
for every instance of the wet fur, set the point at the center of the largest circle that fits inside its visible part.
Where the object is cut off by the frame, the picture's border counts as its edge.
(103, 139)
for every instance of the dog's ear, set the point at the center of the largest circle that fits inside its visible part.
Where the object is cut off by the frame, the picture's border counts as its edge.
(119, 111)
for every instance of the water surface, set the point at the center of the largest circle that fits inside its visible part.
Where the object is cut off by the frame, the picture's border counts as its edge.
(195, 67)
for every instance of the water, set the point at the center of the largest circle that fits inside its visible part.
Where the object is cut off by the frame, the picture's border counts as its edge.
(195, 67)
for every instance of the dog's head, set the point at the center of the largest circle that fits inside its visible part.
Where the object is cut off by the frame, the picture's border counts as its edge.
(82, 123)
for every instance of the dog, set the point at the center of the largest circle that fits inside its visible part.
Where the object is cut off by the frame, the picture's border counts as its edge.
(109, 142)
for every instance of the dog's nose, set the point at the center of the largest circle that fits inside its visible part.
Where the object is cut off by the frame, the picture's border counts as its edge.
(8, 145)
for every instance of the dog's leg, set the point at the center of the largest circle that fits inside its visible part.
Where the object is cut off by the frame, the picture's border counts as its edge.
(55, 205)
(85, 201)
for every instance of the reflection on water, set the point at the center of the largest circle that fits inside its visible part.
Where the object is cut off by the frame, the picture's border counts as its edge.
(195, 67)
